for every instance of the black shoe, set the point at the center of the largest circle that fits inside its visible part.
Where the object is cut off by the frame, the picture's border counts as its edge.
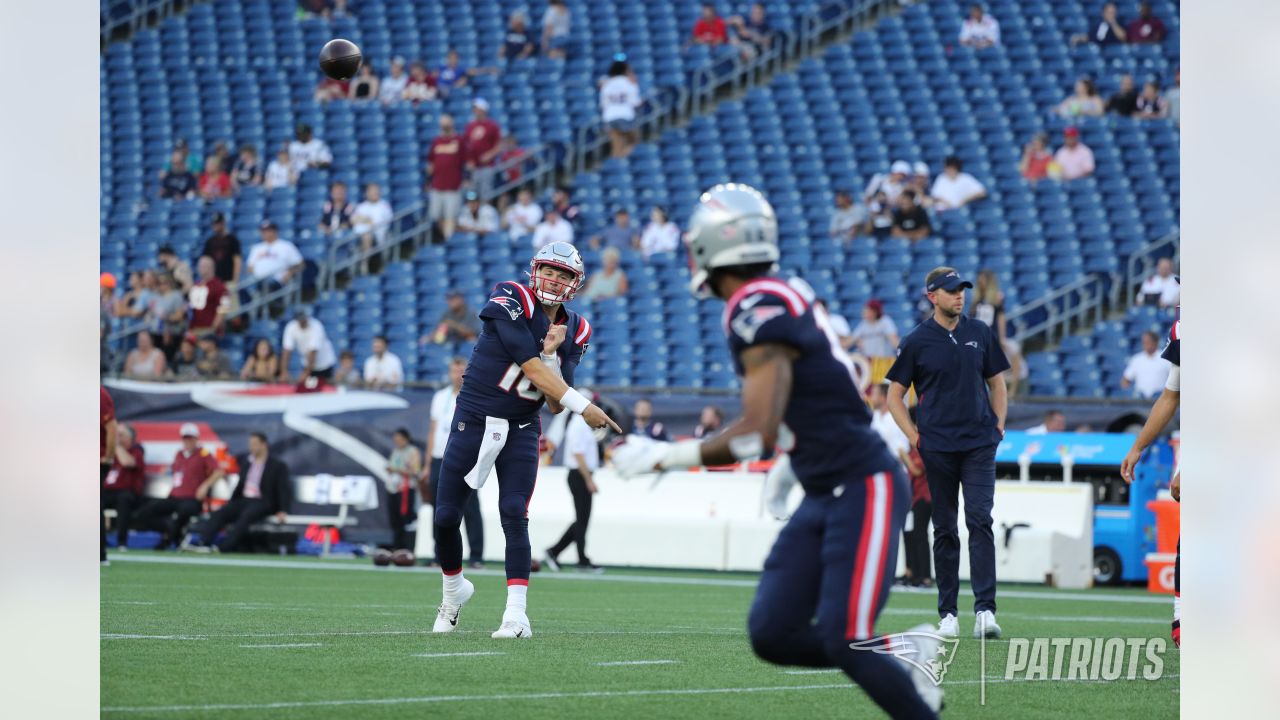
(587, 566)
(476, 564)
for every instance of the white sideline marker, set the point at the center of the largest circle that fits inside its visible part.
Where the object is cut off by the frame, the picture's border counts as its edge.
(286, 645)
(619, 663)
(457, 654)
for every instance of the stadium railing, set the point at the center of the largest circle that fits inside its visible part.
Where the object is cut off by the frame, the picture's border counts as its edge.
(1076, 306)
(1142, 264)
(120, 19)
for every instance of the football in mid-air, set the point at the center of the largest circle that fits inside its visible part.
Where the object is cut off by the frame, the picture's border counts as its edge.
(340, 59)
(402, 558)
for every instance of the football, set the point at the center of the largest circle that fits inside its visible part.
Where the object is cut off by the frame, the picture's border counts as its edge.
(382, 557)
(340, 59)
(402, 558)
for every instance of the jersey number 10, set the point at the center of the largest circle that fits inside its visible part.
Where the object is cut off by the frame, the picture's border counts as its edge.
(514, 378)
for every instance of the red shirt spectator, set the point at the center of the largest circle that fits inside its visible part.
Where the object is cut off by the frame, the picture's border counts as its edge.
(132, 479)
(510, 153)
(446, 158)
(482, 135)
(208, 297)
(710, 28)
(190, 469)
(214, 181)
(107, 413)
(1146, 28)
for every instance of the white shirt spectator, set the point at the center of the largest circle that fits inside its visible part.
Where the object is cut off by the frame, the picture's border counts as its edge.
(272, 260)
(391, 88)
(442, 407)
(619, 98)
(1075, 162)
(885, 182)
(558, 19)
(277, 175)
(378, 215)
(986, 29)
(313, 337)
(883, 423)
(522, 219)
(485, 220)
(1166, 287)
(549, 232)
(951, 192)
(580, 439)
(311, 152)
(664, 238)
(1148, 374)
(385, 371)
(1040, 429)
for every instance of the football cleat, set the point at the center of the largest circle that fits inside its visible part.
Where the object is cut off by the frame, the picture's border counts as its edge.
(550, 562)
(948, 626)
(924, 645)
(514, 629)
(447, 615)
(984, 625)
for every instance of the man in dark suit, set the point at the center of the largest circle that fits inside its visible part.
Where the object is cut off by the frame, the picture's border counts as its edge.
(264, 489)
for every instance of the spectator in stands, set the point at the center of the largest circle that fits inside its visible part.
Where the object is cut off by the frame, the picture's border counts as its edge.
(106, 296)
(214, 181)
(211, 362)
(1173, 97)
(1054, 422)
(753, 34)
(421, 86)
(660, 235)
(1146, 28)
(891, 184)
(168, 312)
(308, 152)
(1150, 105)
(136, 300)
(710, 421)
(910, 221)
(710, 28)
(209, 300)
(1084, 101)
(280, 172)
(335, 214)
(194, 472)
(522, 217)
(458, 323)
(403, 468)
(955, 188)
(178, 183)
(555, 29)
(347, 375)
(221, 153)
(881, 211)
(988, 307)
(224, 249)
(365, 85)
(553, 228)
(510, 153)
(445, 162)
(1125, 100)
(642, 422)
(876, 336)
(179, 270)
(306, 336)
(979, 30)
(383, 369)
(562, 202)
(265, 490)
(919, 181)
(391, 88)
(146, 361)
(848, 220)
(481, 136)
(184, 367)
(1107, 31)
(1074, 159)
(453, 74)
(886, 427)
(126, 483)
(188, 159)
(1161, 289)
(517, 44)
(619, 234)
(274, 260)
(619, 101)
(1036, 158)
(332, 89)
(372, 217)
(263, 365)
(610, 281)
(247, 169)
(839, 325)
(1146, 372)
(477, 218)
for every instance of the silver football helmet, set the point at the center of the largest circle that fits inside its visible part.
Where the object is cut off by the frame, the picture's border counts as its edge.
(560, 255)
(732, 225)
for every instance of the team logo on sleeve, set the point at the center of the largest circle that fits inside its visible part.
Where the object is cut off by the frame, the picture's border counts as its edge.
(748, 323)
(511, 305)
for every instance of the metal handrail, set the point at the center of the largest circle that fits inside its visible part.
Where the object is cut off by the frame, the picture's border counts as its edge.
(1142, 264)
(1066, 310)
(139, 14)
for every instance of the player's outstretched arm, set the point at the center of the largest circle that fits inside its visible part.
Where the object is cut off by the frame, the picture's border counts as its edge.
(1161, 413)
(766, 386)
(554, 387)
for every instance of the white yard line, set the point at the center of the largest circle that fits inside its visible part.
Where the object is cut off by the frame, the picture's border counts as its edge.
(286, 645)
(457, 654)
(619, 663)
(131, 636)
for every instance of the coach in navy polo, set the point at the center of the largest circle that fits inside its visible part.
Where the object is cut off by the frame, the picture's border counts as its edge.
(955, 363)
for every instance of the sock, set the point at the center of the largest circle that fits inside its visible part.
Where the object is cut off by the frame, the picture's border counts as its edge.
(1177, 607)
(452, 584)
(517, 602)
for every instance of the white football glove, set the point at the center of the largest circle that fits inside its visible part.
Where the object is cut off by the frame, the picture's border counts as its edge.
(640, 455)
(777, 486)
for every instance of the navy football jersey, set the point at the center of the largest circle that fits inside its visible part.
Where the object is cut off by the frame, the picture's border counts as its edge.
(827, 426)
(1173, 351)
(514, 327)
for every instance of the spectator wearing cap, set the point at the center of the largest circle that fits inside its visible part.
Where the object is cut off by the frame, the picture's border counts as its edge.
(956, 365)
(710, 28)
(619, 101)
(620, 233)
(264, 490)
(335, 214)
(194, 471)
(391, 88)
(517, 44)
(179, 270)
(1161, 289)
(446, 162)
(610, 281)
(919, 181)
(710, 422)
(476, 217)
(1150, 106)
(848, 220)
(660, 236)
(955, 188)
(562, 202)
(273, 259)
(910, 221)
(1146, 28)
(876, 335)
(209, 300)
(1146, 372)
(891, 184)
(306, 336)
(177, 182)
(308, 152)
(145, 361)
(522, 217)
(125, 485)
(556, 22)
(383, 369)
(552, 229)
(223, 248)
(1074, 159)
(979, 30)
(1036, 158)
(481, 136)
(642, 422)
(280, 171)
(106, 296)
(458, 323)
(582, 456)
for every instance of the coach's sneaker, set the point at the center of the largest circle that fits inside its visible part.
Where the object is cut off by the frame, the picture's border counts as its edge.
(513, 626)
(921, 660)
(949, 626)
(550, 562)
(984, 625)
(447, 615)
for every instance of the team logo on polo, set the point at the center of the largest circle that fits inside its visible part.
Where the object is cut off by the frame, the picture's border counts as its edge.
(901, 646)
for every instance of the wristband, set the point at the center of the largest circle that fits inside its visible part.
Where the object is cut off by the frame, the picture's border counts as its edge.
(552, 362)
(575, 401)
(683, 454)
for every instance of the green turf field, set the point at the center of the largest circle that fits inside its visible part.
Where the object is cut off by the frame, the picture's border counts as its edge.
(298, 638)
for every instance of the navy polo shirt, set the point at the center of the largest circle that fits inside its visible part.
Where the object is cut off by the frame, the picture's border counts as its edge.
(949, 370)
